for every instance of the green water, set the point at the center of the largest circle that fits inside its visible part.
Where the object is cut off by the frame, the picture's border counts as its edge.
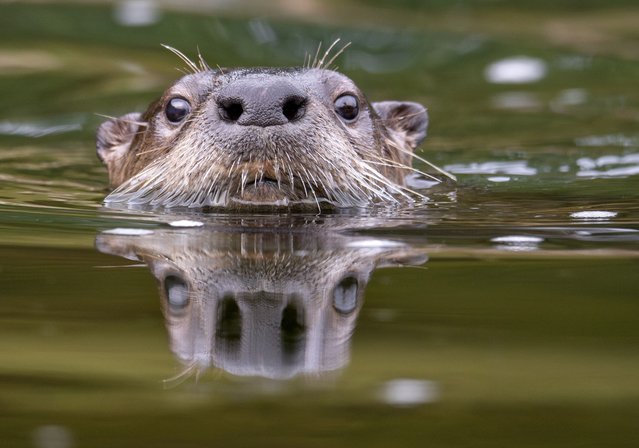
(494, 315)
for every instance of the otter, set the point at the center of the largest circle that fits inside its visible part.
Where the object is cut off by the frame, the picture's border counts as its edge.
(252, 137)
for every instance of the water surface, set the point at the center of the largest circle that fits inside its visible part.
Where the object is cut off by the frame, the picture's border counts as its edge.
(503, 311)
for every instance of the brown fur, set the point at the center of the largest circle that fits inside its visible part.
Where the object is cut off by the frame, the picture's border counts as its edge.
(317, 159)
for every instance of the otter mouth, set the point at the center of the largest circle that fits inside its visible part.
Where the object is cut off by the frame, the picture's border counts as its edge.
(265, 190)
(272, 192)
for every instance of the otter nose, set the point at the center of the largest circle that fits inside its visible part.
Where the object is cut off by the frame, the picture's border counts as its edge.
(259, 103)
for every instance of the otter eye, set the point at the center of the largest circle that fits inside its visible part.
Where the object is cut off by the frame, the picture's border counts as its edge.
(177, 109)
(347, 107)
(177, 293)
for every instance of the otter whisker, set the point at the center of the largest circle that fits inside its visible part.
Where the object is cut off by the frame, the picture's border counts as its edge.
(243, 180)
(394, 164)
(366, 183)
(319, 207)
(190, 64)
(319, 47)
(304, 186)
(212, 182)
(320, 64)
(339, 52)
(322, 184)
(290, 171)
(203, 64)
(181, 377)
(383, 180)
(432, 165)
(148, 151)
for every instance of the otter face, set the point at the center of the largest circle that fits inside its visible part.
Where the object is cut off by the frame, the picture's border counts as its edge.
(262, 137)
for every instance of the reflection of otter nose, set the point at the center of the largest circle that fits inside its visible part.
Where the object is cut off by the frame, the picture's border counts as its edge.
(255, 102)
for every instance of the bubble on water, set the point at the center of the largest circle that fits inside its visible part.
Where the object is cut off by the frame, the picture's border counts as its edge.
(608, 140)
(513, 168)
(609, 166)
(186, 223)
(409, 392)
(615, 172)
(516, 100)
(599, 215)
(517, 243)
(52, 436)
(137, 13)
(518, 239)
(569, 97)
(128, 232)
(373, 244)
(516, 70)
(499, 178)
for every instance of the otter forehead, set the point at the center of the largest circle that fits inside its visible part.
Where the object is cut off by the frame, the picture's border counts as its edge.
(262, 137)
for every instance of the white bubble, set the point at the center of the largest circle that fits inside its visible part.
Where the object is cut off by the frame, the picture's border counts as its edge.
(407, 392)
(499, 178)
(608, 140)
(517, 243)
(613, 166)
(593, 214)
(517, 239)
(512, 168)
(373, 244)
(516, 70)
(128, 232)
(186, 223)
(516, 100)
(571, 97)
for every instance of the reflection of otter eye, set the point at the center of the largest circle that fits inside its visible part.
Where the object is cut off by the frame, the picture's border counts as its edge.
(345, 295)
(177, 293)
(177, 109)
(347, 107)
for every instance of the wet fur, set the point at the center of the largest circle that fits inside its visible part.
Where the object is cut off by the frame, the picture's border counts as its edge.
(320, 160)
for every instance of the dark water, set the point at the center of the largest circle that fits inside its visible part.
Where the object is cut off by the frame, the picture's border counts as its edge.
(503, 312)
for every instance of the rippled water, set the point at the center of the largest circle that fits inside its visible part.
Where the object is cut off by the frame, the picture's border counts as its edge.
(503, 311)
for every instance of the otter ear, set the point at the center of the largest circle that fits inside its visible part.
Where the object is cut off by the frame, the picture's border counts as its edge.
(115, 136)
(407, 118)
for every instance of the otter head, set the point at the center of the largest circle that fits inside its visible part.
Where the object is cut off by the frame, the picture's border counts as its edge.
(262, 137)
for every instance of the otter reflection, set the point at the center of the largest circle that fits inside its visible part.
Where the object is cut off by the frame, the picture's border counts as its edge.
(252, 303)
